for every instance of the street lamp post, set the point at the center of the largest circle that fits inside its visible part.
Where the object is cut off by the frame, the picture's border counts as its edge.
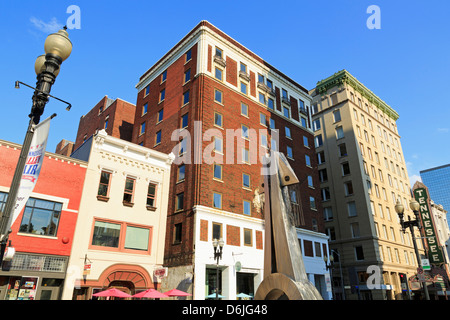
(218, 248)
(331, 266)
(414, 205)
(57, 48)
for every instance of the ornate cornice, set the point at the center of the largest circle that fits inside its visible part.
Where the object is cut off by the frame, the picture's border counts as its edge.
(344, 77)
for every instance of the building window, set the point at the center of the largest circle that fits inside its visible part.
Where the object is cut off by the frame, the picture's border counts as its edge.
(305, 141)
(342, 150)
(41, 217)
(245, 155)
(354, 227)
(308, 160)
(142, 128)
(337, 115)
(244, 132)
(218, 144)
(217, 200)
(162, 95)
(158, 138)
(248, 237)
(219, 53)
(271, 103)
(345, 168)
(339, 132)
(262, 98)
(218, 74)
(106, 234)
(310, 182)
(151, 195)
(179, 202)
(187, 75)
(160, 115)
(243, 67)
(244, 109)
(106, 122)
(325, 193)
(284, 94)
(323, 175)
(348, 186)
(147, 90)
(316, 124)
(318, 141)
(243, 88)
(359, 253)
(264, 141)
(164, 76)
(263, 119)
(247, 207)
(188, 55)
(181, 173)
(145, 108)
(287, 131)
(177, 233)
(312, 203)
(137, 238)
(103, 187)
(327, 213)
(109, 234)
(129, 190)
(218, 95)
(218, 171)
(186, 97)
(289, 152)
(218, 119)
(304, 124)
(246, 180)
(351, 208)
(217, 230)
(184, 120)
(321, 157)
(286, 112)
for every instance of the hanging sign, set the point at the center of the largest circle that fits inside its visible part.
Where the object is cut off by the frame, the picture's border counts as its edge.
(434, 251)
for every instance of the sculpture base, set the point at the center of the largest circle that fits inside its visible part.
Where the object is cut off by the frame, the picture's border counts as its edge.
(278, 286)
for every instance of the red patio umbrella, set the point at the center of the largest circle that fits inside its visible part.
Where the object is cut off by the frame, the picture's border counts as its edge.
(113, 292)
(177, 293)
(150, 293)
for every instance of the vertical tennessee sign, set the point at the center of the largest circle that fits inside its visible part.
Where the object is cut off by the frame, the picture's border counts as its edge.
(32, 168)
(434, 251)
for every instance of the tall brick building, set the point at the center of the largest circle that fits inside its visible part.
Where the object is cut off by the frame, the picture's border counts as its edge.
(116, 116)
(204, 100)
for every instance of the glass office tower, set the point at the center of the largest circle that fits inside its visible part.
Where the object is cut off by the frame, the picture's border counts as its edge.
(438, 182)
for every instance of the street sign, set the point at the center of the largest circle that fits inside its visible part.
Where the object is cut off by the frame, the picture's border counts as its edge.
(426, 264)
(421, 196)
(87, 269)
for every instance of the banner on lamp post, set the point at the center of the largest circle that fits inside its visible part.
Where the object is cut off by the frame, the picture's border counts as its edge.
(32, 167)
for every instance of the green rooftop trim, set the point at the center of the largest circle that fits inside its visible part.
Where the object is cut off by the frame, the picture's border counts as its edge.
(343, 76)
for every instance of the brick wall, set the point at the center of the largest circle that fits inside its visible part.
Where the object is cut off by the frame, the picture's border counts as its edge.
(120, 115)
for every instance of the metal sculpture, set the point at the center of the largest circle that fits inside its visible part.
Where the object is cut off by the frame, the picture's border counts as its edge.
(284, 271)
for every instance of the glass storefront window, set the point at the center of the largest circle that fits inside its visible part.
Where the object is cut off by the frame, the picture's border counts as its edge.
(22, 288)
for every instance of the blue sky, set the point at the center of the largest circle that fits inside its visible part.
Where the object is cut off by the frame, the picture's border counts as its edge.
(406, 62)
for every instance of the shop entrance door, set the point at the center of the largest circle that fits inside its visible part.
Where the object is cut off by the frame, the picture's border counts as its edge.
(49, 293)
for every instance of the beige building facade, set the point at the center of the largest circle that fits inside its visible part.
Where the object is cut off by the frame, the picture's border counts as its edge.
(120, 232)
(362, 174)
